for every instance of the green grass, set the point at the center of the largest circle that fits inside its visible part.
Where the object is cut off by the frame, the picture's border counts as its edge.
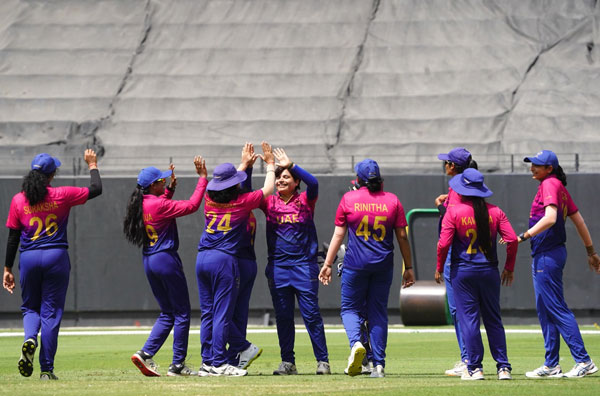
(100, 365)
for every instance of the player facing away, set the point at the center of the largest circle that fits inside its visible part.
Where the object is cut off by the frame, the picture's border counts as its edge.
(292, 267)
(150, 223)
(241, 352)
(37, 219)
(372, 218)
(471, 228)
(226, 211)
(455, 162)
(550, 209)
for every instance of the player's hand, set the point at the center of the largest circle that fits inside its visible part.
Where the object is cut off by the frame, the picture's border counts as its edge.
(439, 277)
(173, 182)
(200, 166)
(267, 155)
(282, 158)
(594, 262)
(248, 157)
(8, 280)
(507, 278)
(89, 156)
(325, 275)
(408, 278)
(440, 199)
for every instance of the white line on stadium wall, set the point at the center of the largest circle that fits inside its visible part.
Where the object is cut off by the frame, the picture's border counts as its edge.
(273, 331)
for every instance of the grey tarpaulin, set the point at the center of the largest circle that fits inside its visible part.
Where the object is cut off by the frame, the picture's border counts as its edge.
(401, 79)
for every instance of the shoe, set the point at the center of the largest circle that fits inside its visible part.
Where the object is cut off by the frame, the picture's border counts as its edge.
(378, 372)
(286, 368)
(582, 369)
(248, 356)
(47, 375)
(144, 362)
(545, 372)
(504, 374)
(227, 370)
(26, 361)
(204, 370)
(457, 370)
(180, 370)
(367, 367)
(357, 354)
(323, 368)
(469, 375)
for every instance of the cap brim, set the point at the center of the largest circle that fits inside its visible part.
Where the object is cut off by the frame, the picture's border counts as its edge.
(443, 157)
(469, 191)
(534, 160)
(219, 185)
(165, 174)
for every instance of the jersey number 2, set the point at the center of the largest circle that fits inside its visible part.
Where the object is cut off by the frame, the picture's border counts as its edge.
(51, 226)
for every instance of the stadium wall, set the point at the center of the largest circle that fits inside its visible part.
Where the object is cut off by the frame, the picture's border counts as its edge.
(108, 284)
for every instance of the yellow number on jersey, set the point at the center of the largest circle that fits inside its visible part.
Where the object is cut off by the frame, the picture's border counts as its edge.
(363, 228)
(472, 233)
(224, 223)
(51, 226)
(152, 235)
(378, 226)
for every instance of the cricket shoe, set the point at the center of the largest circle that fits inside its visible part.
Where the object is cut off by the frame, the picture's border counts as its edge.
(357, 354)
(469, 375)
(323, 368)
(204, 370)
(47, 376)
(180, 370)
(457, 370)
(144, 362)
(248, 356)
(504, 374)
(26, 361)
(286, 368)
(545, 372)
(378, 372)
(227, 370)
(582, 369)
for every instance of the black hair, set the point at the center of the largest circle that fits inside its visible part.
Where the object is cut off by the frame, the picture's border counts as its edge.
(560, 174)
(482, 221)
(224, 196)
(471, 163)
(374, 184)
(133, 225)
(35, 186)
(279, 170)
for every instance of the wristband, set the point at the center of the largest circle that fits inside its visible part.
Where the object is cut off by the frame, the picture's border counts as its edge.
(522, 236)
(291, 165)
(407, 268)
(590, 250)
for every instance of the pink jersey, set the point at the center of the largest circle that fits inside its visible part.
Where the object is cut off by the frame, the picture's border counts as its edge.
(460, 231)
(550, 192)
(160, 214)
(371, 219)
(227, 224)
(44, 225)
(452, 199)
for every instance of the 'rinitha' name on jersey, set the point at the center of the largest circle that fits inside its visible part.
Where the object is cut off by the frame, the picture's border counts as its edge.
(227, 224)
(44, 225)
(550, 192)
(371, 219)
(160, 214)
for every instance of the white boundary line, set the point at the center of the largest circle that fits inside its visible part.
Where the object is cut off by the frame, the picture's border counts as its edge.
(274, 331)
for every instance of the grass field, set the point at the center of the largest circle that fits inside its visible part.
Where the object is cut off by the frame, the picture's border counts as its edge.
(100, 365)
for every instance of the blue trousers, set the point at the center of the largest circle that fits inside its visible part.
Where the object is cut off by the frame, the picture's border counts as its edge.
(556, 319)
(164, 271)
(301, 282)
(373, 288)
(44, 279)
(477, 294)
(218, 283)
(452, 308)
(237, 333)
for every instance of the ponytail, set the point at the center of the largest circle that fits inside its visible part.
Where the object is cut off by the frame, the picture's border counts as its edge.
(560, 174)
(133, 225)
(374, 184)
(35, 186)
(471, 163)
(482, 220)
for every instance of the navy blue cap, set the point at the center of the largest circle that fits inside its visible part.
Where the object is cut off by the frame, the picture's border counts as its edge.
(458, 155)
(544, 157)
(45, 163)
(151, 174)
(367, 169)
(470, 184)
(224, 176)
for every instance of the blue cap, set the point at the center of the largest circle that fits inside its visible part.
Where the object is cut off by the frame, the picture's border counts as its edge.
(458, 155)
(544, 157)
(45, 163)
(470, 184)
(367, 169)
(224, 176)
(151, 174)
